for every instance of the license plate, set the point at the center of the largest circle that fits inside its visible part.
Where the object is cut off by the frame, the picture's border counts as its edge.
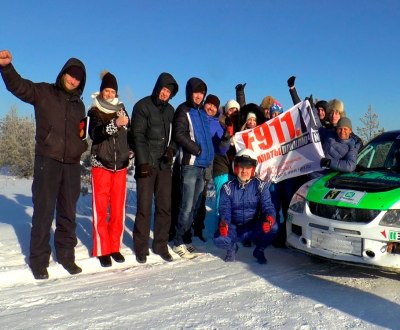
(338, 244)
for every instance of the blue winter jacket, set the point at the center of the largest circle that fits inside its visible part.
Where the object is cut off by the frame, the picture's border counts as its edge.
(342, 153)
(191, 130)
(240, 204)
(220, 143)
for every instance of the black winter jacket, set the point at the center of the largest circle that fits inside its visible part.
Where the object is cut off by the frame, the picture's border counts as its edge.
(151, 125)
(57, 113)
(110, 144)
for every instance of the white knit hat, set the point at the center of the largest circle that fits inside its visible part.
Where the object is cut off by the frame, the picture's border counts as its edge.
(251, 115)
(232, 104)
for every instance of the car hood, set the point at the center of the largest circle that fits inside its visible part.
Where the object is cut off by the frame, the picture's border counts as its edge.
(378, 190)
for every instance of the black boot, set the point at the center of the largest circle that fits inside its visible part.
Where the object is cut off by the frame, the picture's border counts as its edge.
(40, 273)
(118, 257)
(105, 261)
(72, 268)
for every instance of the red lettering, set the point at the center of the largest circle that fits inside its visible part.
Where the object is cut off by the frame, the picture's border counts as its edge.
(287, 118)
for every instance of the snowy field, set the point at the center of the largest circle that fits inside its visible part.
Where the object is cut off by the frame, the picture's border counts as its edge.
(292, 291)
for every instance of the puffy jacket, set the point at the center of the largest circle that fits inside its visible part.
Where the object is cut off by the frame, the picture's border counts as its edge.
(151, 125)
(191, 130)
(240, 204)
(342, 153)
(220, 142)
(110, 146)
(57, 113)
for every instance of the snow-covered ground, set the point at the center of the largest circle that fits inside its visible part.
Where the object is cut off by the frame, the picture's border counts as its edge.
(292, 291)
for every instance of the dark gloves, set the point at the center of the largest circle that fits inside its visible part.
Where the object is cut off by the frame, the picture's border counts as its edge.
(168, 155)
(240, 87)
(290, 81)
(267, 224)
(144, 170)
(223, 228)
(325, 163)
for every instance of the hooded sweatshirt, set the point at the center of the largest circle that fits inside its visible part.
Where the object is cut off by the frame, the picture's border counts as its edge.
(151, 125)
(57, 112)
(191, 130)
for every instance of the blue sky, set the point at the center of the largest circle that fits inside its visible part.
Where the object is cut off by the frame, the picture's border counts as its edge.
(346, 49)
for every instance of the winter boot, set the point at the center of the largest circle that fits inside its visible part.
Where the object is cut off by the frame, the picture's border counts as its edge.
(72, 268)
(105, 261)
(259, 255)
(231, 254)
(118, 257)
(40, 273)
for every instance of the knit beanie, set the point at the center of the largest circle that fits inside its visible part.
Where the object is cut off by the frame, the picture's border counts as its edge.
(170, 87)
(212, 99)
(251, 115)
(108, 80)
(75, 72)
(344, 122)
(322, 104)
(231, 104)
(275, 107)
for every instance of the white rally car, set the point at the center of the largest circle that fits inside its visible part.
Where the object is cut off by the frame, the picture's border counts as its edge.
(353, 217)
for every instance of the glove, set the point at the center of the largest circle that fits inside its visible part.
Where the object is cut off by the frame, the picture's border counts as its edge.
(168, 155)
(223, 228)
(240, 87)
(144, 170)
(267, 224)
(325, 163)
(290, 81)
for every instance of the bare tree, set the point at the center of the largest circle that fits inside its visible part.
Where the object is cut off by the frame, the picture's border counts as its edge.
(370, 127)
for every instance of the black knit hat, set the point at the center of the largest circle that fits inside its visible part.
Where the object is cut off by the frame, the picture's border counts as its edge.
(108, 80)
(322, 104)
(75, 71)
(213, 100)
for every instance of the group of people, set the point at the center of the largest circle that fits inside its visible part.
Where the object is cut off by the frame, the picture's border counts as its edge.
(176, 154)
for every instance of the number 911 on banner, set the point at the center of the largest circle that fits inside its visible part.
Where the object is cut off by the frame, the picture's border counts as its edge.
(287, 145)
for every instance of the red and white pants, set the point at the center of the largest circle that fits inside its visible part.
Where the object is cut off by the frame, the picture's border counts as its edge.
(108, 206)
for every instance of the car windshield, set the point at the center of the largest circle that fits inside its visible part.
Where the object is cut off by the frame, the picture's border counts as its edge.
(381, 153)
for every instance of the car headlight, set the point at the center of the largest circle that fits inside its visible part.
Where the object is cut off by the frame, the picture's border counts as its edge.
(298, 203)
(391, 219)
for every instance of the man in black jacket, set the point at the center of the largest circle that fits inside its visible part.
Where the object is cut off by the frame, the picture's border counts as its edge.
(154, 150)
(58, 149)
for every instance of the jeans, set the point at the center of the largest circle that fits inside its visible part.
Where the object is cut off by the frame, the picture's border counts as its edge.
(192, 186)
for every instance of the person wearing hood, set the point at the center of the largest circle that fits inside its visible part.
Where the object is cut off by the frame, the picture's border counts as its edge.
(59, 111)
(108, 126)
(151, 138)
(191, 132)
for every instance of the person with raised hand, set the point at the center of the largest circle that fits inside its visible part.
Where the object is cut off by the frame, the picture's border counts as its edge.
(59, 111)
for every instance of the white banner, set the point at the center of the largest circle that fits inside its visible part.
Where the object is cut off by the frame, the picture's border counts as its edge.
(286, 146)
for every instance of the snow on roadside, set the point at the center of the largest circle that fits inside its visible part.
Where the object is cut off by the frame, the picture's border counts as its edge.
(292, 291)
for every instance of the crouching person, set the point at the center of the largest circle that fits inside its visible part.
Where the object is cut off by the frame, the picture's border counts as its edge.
(246, 212)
